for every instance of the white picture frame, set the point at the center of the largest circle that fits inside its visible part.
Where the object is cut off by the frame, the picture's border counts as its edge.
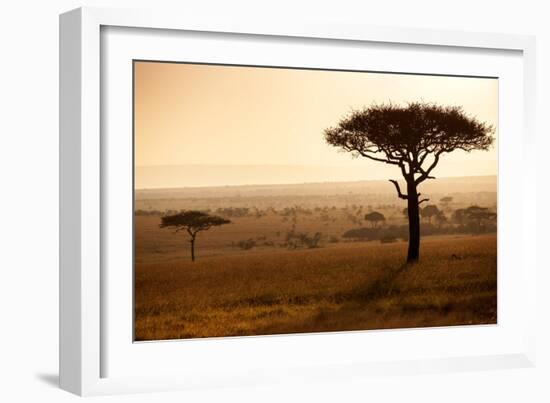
(83, 178)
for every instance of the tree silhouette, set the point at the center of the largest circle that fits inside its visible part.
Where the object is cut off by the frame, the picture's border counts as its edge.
(440, 219)
(413, 138)
(479, 214)
(459, 216)
(375, 217)
(429, 211)
(192, 222)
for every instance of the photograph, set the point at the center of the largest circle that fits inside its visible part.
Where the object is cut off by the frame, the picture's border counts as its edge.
(276, 200)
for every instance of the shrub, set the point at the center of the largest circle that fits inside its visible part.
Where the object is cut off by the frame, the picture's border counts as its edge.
(246, 244)
(295, 240)
(361, 234)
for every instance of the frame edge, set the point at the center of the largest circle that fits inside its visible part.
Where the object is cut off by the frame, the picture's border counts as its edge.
(70, 119)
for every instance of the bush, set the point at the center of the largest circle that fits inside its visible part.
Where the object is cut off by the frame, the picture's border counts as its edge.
(246, 244)
(295, 240)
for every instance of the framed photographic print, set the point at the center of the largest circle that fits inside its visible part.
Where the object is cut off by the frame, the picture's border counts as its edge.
(244, 202)
(247, 221)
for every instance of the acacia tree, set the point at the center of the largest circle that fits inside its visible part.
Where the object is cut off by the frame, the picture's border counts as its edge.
(412, 138)
(429, 212)
(375, 217)
(440, 219)
(479, 214)
(192, 222)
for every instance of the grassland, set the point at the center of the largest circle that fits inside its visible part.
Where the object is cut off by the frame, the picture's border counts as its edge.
(341, 286)
(249, 279)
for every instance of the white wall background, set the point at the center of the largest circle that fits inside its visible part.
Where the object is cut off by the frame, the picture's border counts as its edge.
(29, 201)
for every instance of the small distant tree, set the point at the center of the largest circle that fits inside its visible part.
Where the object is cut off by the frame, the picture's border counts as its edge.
(192, 222)
(459, 216)
(440, 219)
(374, 218)
(429, 211)
(413, 138)
(474, 217)
(479, 214)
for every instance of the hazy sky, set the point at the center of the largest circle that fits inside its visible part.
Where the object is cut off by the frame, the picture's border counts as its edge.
(229, 115)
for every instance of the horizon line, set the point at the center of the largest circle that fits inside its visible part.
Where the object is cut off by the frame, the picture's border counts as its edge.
(297, 183)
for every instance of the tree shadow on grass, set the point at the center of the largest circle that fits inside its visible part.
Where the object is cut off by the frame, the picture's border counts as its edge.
(378, 289)
(384, 304)
(355, 303)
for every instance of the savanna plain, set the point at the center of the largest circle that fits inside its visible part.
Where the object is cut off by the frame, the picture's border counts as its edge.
(314, 258)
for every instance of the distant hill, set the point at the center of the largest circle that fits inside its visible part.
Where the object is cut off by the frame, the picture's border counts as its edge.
(179, 176)
(468, 184)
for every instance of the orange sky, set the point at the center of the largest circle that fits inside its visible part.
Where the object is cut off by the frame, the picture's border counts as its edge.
(229, 115)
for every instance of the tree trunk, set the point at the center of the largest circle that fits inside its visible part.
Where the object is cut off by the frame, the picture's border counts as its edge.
(414, 222)
(192, 241)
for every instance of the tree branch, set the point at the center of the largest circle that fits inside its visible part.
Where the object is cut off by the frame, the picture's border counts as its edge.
(422, 201)
(377, 159)
(426, 173)
(399, 194)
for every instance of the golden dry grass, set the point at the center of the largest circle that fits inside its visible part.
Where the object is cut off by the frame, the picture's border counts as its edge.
(346, 286)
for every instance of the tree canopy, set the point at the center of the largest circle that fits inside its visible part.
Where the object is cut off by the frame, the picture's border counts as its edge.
(479, 213)
(429, 211)
(192, 221)
(406, 136)
(375, 217)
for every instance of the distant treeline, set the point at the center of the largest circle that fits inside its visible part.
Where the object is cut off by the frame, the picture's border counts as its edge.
(288, 211)
(471, 220)
(371, 225)
(395, 232)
